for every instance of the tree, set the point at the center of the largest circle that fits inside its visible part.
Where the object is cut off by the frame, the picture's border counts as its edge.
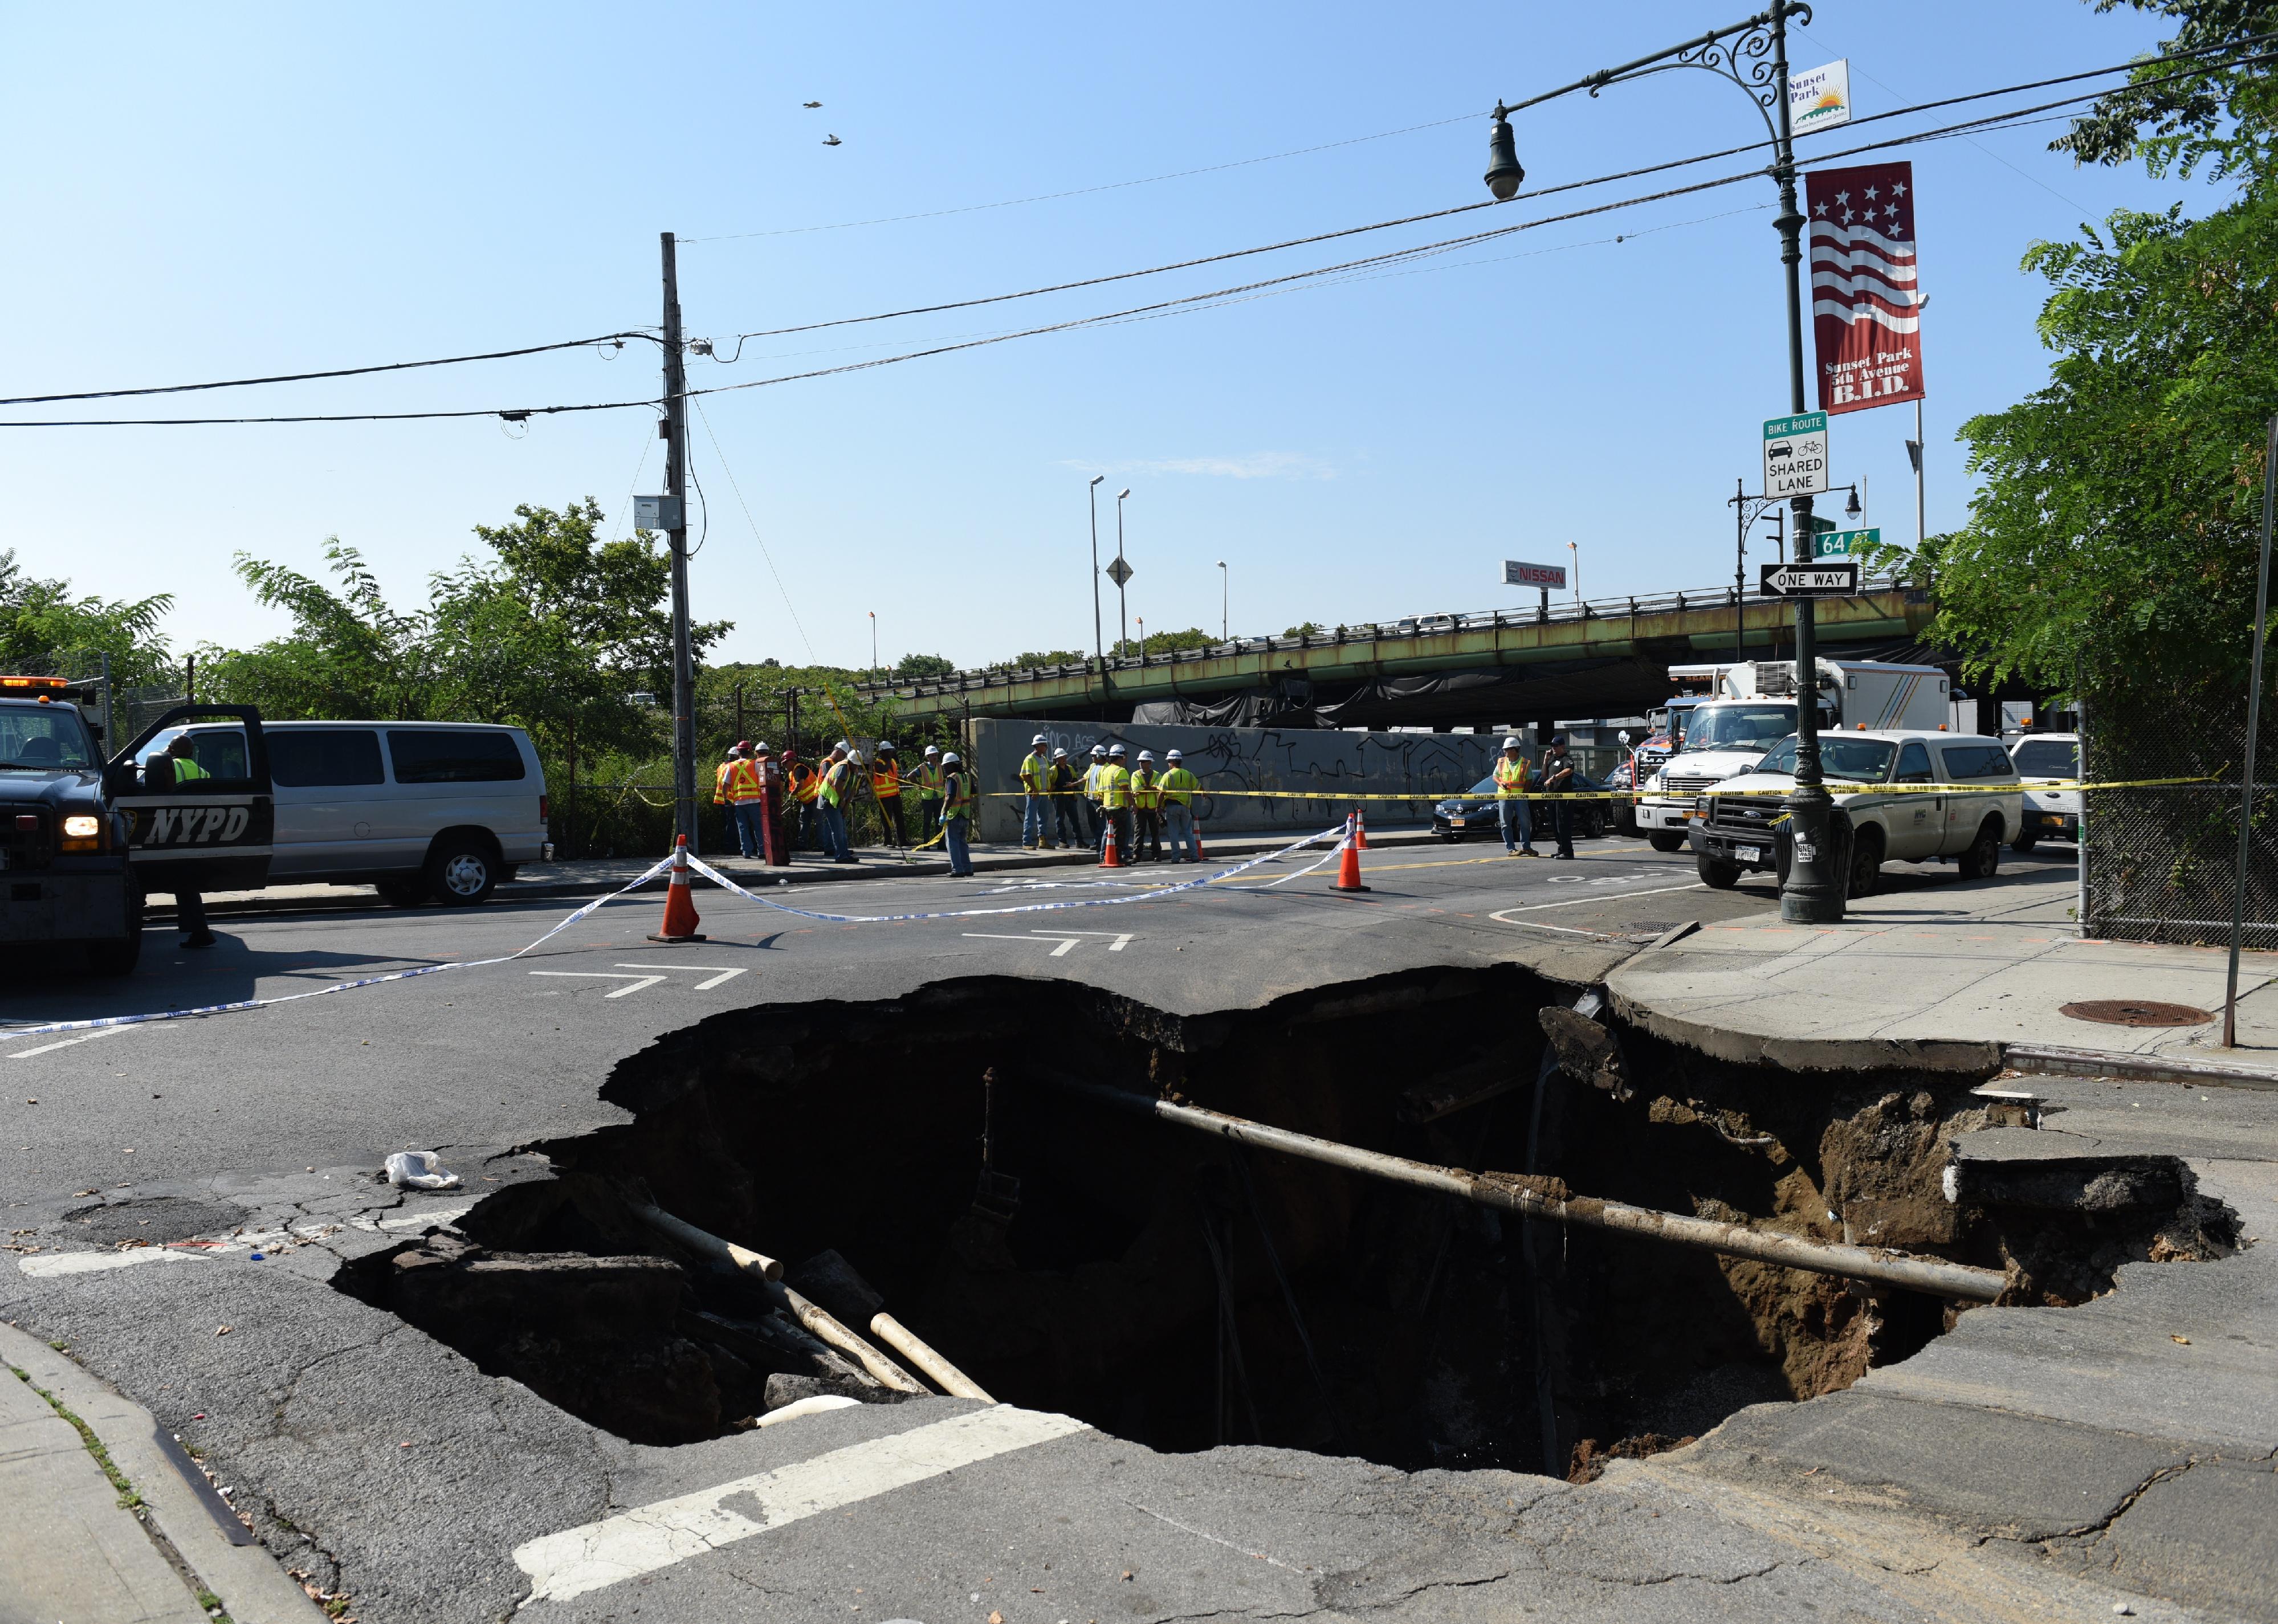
(2113, 535)
(349, 653)
(2223, 119)
(1031, 662)
(43, 626)
(917, 667)
(1164, 643)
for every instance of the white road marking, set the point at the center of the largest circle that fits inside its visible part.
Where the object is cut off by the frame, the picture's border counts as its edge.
(658, 1536)
(701, 987)
(1576, 901)
(424, 1216)
(26, 1054)
(604, 975)
(48, 1266)
(1122, 937)
(1068, 939)
(1061, 951)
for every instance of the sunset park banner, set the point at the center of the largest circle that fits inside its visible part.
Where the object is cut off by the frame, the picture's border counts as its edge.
(1864, 298)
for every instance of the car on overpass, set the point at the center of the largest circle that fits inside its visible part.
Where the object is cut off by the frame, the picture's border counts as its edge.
(1460, 817)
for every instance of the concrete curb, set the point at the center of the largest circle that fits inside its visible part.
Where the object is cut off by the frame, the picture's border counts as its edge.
(1961, 1059)
(254, 1589)
(2050, 1060)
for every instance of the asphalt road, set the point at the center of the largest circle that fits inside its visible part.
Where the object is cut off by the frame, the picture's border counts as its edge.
(429, 1492)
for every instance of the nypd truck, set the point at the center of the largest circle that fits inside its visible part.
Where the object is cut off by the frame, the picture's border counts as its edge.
(82, 839)
(1755, 707)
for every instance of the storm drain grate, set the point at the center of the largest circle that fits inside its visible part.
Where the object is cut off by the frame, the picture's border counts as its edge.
(2136, 1012)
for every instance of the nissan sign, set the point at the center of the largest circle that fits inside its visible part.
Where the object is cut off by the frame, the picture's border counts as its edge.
(1516, 574)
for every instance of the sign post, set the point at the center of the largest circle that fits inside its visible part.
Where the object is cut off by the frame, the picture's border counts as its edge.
(1795, 454)
(1543, 576)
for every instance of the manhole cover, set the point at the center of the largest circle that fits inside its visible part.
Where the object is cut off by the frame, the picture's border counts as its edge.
(2136, 1012)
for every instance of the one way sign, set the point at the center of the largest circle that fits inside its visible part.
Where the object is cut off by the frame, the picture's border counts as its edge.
(1820, 580)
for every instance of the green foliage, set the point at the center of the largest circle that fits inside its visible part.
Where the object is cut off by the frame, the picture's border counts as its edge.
(349, 654)
(43, 626)
(1307, 628)
(2223, 120)
(1032, 659)
(1164, 643)
(917, 667)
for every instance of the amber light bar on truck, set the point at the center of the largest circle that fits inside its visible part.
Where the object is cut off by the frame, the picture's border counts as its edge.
(42, 684)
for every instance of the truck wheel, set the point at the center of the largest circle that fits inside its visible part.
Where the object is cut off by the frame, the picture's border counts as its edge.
(1984, 853)
(461, 872)
(1665, 840)
(119, 958)
(2024, 843)
(1715, 873)
(1866, 875)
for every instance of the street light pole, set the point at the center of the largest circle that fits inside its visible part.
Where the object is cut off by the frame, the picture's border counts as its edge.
(1753, 54)
(1122, 609)
(675, 476)
(1225, 599)
(1098, 638)
(873, 640)
(1574, 555)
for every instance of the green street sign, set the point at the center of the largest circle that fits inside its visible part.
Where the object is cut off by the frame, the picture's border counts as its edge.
(1819, 526)
(1802, 422)
(1844, 543)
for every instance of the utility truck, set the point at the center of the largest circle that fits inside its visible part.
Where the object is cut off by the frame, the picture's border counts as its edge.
(1753, 707)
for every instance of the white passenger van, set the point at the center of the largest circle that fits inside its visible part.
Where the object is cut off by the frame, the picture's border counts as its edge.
(417, 809)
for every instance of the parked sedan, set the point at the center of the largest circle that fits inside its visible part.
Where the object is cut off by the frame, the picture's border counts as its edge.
(1473, 812)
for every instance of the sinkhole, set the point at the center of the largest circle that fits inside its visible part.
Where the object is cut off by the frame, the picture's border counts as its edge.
(924, 1155)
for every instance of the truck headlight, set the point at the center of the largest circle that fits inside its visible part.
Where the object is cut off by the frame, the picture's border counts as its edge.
(82, 828)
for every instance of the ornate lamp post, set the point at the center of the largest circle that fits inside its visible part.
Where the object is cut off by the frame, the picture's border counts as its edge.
(1752, 55)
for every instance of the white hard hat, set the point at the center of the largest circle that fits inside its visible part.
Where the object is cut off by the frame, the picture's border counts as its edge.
(1059, 755)
(1040, 739)
(1099, 749)
(933, 749)
(952, 756)
(1510, 741)
(1115, 750)
(1146, 755)
(855, 756)
(763, 749)
(1173, 755)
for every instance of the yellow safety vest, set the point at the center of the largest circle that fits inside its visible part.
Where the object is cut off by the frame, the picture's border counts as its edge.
(1037, 773)
(186, 769)
(958, 789)
(1094, 779)
(1115, 787)
(1178, 787)
(1510, 778)
(1144, 794)
(834, 783)
(926, 776)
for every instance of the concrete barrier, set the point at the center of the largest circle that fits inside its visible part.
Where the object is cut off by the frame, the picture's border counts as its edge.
(1323, 763)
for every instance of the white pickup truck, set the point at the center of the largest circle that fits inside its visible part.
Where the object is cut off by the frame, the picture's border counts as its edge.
(1970, 804)
(2044, 758)
(1756, 708)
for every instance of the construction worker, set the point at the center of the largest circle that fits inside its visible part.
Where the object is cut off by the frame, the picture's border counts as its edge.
(1035, 786)
(1094, 789)
(1511, 800)
(1558, 779)
(958, 791)
(886, 785)
(1115, 800)
(1067, 786)
(836, 792)
(773, 845)
(739, 790)
(720, 780)
(1177, 788)
(806, 791)
(926, 776)
(1146, 811)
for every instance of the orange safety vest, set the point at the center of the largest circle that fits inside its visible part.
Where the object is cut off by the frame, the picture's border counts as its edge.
(886, 780)
(806, 783)
(739, 781)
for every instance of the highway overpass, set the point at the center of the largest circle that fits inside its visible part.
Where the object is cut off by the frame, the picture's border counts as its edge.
(1607, 657)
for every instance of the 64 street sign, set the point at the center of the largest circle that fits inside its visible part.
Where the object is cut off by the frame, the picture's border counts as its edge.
(1821, 580)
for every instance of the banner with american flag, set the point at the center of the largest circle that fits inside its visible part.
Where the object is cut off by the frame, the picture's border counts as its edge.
(1864, 298)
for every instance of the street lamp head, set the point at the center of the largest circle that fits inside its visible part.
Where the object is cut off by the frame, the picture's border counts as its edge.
(1851, 509)
(1119, 495)
(1096, 478)
(1504, 174)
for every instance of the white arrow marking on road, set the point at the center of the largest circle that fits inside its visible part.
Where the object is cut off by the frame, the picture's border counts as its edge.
(26, 1054)
(701, 987)
(1066, 942)
(603, 975)
(1576, 901)
(1122, 937)
(1068, 939)
(650, 1537)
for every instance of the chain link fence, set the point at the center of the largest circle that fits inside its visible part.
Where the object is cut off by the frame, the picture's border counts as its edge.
(2160, 864)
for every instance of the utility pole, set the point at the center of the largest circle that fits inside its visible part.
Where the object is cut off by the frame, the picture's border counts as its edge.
(675, 428)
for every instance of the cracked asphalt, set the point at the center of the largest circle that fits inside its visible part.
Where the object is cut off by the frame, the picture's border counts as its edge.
(392, 1469)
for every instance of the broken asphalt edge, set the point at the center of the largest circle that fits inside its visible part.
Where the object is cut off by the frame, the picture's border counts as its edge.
(253, 1587)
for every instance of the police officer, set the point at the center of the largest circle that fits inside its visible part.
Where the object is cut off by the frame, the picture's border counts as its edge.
(1177, 788)
(1558, 779)
(1035, 788)
(957, 790)
(1510, 799)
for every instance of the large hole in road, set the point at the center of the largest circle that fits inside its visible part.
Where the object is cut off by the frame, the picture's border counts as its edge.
(1183, 1291)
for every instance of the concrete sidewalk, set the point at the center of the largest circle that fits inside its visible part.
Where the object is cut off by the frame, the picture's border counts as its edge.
(1943, 973)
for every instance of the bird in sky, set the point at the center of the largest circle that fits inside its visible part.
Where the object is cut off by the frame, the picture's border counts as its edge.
(832, 141)
(810, 103)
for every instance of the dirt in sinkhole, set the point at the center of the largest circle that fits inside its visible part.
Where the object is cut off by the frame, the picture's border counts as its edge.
(1183, 1291)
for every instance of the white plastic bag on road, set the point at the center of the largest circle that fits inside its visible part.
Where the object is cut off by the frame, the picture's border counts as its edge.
(420, 1169)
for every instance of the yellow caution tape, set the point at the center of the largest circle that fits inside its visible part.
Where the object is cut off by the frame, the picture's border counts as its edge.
(1836, 786)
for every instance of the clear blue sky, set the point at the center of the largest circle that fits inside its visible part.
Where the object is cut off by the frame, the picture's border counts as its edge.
(200, 193)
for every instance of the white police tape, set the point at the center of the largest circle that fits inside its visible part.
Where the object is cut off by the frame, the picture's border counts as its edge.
(98, 1023)
(1333, 833)
(10, 1033)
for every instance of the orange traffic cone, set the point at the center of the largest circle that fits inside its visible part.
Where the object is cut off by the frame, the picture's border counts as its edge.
(1109, 857)
(679, 899)
(1348, 865)
(1200, 858)
(1360, 825)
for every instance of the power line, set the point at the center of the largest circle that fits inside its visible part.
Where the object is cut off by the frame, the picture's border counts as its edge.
(618, 339)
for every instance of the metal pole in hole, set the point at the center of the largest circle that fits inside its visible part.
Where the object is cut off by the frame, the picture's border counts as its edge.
(2253, 725)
